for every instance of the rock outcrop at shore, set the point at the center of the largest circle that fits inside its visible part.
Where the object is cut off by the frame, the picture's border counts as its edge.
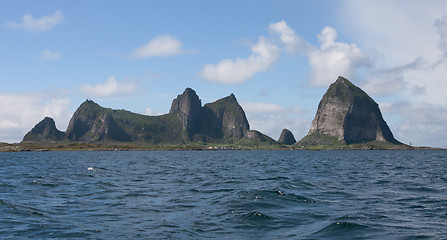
(347, 115)
(286, 137)
(45, 130)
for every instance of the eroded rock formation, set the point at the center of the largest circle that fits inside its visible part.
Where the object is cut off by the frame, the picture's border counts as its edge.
(347, 115)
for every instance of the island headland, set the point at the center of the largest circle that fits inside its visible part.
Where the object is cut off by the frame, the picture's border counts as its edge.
(346, 118)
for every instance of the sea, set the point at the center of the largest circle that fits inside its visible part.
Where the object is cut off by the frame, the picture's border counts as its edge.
(398, 194)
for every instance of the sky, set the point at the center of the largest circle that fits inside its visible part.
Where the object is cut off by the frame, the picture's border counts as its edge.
(278, 57)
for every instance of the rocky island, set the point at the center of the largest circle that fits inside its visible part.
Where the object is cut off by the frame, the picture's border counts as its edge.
(346, 118)
(188, 124)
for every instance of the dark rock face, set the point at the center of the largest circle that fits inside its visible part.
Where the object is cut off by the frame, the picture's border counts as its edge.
(188, 108)
(286, 137)
(226, 117)
(256, 136)
(222, 120)
(45, 130)
(348, 115)
(92, 122)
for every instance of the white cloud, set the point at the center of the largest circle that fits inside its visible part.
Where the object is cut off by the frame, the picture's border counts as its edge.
(271, 119)
(47, 55)
(330, 60)
(334, 59)
(42, 24)
(111, 87)
(293, 42)
(19, 113)
(160, 46)
(228, 71)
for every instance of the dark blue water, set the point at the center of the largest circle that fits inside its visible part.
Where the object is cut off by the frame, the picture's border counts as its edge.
(224, 195)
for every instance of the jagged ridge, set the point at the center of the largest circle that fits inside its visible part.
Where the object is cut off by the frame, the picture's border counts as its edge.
(187, 121)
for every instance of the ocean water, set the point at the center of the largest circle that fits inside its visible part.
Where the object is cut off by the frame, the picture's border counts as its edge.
(224, 195)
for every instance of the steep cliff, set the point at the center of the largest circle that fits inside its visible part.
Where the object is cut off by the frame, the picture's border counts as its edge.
(221, 121)
(92, 122)
(188, 108)
(347, 115)
(286, 137)
(226, 118)
(45, 130)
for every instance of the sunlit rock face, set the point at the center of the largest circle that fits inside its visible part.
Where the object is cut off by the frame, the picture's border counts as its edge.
(348, 114)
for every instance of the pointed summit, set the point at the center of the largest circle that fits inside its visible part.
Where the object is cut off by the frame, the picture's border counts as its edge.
(45, 130)
(187, 107)
(347, 115)
(227, 116)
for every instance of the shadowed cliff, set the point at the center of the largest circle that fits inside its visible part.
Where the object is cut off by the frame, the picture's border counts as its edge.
(187, 121)
(347, 115)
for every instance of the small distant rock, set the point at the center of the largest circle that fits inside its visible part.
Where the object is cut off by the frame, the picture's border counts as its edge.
(286, 137)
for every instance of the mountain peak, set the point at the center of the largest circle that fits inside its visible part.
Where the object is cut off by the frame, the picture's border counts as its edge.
(341, 79)
(348, 115)
(228, 117)
(187, 107)
(44, 130)
(345, 91)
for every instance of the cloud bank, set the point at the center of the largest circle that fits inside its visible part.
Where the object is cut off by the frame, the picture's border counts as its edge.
(33, 107)
(327, 61)
(42, 24)
(110, 88)
(420, 123)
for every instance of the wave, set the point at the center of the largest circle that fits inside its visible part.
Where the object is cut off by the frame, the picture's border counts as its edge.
(341, 230)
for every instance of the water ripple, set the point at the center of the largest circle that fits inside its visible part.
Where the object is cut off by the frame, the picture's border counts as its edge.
(224, 195)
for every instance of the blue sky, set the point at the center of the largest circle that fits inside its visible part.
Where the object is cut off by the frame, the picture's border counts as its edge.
(277, 57)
